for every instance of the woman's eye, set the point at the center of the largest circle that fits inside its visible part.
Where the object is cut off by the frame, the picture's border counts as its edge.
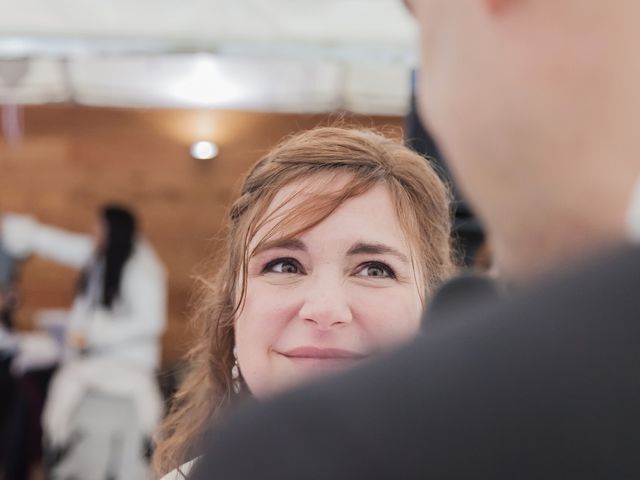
(376, 270)
(282, 265)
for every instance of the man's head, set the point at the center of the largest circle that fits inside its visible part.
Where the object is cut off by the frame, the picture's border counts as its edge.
(533, 102)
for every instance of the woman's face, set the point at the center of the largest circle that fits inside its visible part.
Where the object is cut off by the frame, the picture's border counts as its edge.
(335, 295)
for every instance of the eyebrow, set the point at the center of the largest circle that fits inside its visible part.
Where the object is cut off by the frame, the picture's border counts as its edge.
(359, 248)
(362, 248)
(286, 243)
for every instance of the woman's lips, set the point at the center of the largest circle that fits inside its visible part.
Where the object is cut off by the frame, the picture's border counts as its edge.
(316, 353)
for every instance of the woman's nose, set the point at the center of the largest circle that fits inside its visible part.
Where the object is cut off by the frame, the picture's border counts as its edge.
(326, 305)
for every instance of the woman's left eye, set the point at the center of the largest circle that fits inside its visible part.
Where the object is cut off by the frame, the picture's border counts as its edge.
(375, 270)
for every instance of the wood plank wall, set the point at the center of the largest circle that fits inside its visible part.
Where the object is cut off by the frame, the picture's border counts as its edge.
(73, 159)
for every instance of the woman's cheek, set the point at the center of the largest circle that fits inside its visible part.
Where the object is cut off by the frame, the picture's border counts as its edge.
(388, 317)
(262, 323)
(264, 317)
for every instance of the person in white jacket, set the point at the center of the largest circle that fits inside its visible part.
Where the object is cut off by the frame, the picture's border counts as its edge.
(103, 403)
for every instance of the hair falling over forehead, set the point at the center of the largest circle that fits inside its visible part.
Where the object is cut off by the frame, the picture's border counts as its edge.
(365, 159)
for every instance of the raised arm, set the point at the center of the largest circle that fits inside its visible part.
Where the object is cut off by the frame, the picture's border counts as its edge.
(23, 235)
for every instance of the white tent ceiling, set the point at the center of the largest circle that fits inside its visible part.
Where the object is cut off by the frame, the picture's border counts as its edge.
(282, 55)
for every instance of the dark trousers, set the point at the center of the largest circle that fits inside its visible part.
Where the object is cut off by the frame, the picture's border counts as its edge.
(7, 399)
(21, 432)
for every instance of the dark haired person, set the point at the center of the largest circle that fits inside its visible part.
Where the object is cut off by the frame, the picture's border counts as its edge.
(103, 403)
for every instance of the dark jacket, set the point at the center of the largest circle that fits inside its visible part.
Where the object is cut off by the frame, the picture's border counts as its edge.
(543, 385)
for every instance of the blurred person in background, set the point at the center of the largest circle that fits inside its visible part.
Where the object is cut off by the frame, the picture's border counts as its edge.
(23, 389)
(8, 300)
(8, 345)
(535, 104)
(334, 246)
(103, 403)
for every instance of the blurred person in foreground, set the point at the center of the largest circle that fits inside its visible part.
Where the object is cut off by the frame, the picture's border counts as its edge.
(535, 105)
(335, 244)
(103, 402)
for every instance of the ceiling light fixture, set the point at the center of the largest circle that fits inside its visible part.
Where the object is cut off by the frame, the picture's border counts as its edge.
(204, 150)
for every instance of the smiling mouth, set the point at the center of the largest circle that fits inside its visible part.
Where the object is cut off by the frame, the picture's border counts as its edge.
(314, 353)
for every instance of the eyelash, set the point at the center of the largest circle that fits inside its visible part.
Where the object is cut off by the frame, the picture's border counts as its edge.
(268, 268)
(383, 266)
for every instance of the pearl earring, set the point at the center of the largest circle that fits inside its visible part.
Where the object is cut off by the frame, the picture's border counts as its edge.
(235, 373)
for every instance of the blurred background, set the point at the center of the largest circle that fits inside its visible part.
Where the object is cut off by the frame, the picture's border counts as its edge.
(103, 101)
(163, 106)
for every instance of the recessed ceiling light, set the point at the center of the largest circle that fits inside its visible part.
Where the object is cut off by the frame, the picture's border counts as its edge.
(204, 150)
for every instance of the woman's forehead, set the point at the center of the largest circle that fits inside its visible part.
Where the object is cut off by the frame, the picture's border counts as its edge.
(311, 186)
(369, 217)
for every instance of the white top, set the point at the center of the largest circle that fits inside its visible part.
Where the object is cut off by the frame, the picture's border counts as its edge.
(130, 330)
(182, 473)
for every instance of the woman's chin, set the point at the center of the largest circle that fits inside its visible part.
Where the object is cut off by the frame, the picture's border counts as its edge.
(300, 372)
(309, 369)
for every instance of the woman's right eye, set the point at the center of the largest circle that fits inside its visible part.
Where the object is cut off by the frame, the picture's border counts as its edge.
(283, 265)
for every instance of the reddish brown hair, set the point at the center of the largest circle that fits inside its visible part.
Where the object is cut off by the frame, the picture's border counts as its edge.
(423, 205)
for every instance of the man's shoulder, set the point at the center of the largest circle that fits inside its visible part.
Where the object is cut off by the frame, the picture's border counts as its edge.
(542, 364)
(591, 291)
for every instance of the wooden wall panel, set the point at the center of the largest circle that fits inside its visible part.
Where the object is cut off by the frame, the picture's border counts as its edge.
(73, 159)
